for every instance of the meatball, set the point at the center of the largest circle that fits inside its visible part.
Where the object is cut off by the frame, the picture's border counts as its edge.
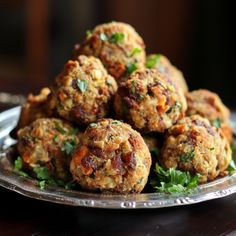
(48, 142)
(163, 65)
(112, 158)
(194, 145)
(118, 46)
(35, 107)
(149, 101)
(83, 90)
(209, 105)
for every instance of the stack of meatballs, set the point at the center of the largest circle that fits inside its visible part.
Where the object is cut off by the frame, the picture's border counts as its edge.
(110, 105)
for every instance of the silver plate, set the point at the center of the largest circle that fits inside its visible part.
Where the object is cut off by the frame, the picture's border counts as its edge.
(28, 187)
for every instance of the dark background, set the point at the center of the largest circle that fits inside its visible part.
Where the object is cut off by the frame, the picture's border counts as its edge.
(198, 36)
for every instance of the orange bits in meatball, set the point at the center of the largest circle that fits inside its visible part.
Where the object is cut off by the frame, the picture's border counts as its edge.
(112, 158)
(149, 101)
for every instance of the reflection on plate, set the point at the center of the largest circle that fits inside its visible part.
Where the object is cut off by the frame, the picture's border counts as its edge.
(28, 187)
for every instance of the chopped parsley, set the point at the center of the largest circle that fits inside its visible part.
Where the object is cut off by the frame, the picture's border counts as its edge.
(231, 167)
(173, 181)
(109, 82)
(103, 37)
(56, 138)
(42, 173)
(42, 184)
(133, 89)
(59, 128)
(68, 147)
(131, 67)
(135, 51)
(152, 60)
(18, 165)
(187, 156)
(82, 85)
(93, 124)
(88, 33)
(216, 123)
(117, 37)
(115, 122)
(177, 105)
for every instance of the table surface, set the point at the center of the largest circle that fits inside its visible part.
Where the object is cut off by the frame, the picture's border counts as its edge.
(20, 215)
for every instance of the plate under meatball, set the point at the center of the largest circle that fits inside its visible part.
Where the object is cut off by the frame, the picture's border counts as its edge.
(209, 105)
(83, 90)
(112, 158)
(149, 101)
(48, 142)
(118, 46)
(161, 63)
(194, 145)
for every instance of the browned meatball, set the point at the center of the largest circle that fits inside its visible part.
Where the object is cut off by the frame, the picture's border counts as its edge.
(112, 158)
(209, 105)
(83, 90)
(35, 107)
(48, 142)
(162, 64)
(118, 46)
(149, 101)
(194, 145)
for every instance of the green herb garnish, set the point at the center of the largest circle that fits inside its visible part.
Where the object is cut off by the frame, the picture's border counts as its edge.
(231, 167)
(82, 85)
(131, 67)
(88, 33)
(93, 124)
(68, 147)
(56, 138)
(42, 184)
(18, 165)
(216, 123)
(135, 51)
(173, 181)
(103, 37)
(117, 37)
(177, 105)
(187, 156)
(133, 89)
(152, 60)
(42, 173)
(59, 128)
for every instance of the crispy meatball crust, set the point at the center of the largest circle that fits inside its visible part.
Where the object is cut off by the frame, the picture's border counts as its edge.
(117, 45)
(149, 101)
(44, 143)
(194, 145)
(209, 105)
(161, 63)
(34, 108)
(112, 158)
(83, 90)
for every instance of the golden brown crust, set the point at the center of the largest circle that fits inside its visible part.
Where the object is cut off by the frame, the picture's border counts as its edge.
(43, 142)
(112, 158)
(117, 45)
(149, 101)
(209, 105)
(194, 145)
(83, 90)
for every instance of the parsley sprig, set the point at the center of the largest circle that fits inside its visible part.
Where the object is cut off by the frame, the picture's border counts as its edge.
(173, 181)
(152, 60)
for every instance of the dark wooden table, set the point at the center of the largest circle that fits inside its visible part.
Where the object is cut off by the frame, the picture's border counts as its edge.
(24, 216)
